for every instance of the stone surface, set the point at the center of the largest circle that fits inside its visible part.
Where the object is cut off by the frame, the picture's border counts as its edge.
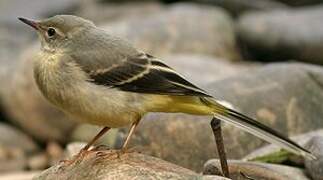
(315, 167)
(103, 12)
(237, 7)
(26, 107)
(284, 34)
(25, 175)
(15, 146)
(38, 161)
(108, 164)
(12, 159)
(11, 137)
(268, 94)
(300, 2)
(11, 43)
(252, 170)
(290, 102)
(11, 9)
(202, 69)
(274, 154)
(54, 152)
(172, 31)
(73, 148)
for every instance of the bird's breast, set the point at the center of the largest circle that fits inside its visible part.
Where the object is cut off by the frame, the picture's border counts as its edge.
(64, 85)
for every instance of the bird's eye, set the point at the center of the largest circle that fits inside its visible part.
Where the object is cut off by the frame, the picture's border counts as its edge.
(51, 32)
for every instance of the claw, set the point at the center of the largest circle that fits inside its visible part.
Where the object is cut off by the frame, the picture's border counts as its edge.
(76, 158)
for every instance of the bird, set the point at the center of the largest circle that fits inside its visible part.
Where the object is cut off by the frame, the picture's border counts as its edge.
(102, 79)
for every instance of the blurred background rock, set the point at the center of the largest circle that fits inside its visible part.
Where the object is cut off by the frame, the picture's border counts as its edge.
(262, 56)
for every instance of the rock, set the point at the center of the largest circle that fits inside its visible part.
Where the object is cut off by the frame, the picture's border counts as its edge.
(274, 154)
(277, 98)
(252, 170)
(314, 167)
(202, 69)
(26, 107)
(13, 138)
(38, 161)
(12, 159)
(237, 7)
(25, 175)
(172, 31)
(73, 148)
(11, 9)
(284, 34)
(14, 147)
(108, 164)
(11, 43)
(268, 94)
(103, 12)
(54, 152)
(300, 2)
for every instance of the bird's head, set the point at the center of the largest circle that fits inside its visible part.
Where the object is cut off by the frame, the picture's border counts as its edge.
(58, 31)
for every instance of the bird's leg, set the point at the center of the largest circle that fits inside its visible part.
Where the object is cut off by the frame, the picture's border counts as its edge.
(89, 144)
(132, 130)
(85, 149)
(217, 131)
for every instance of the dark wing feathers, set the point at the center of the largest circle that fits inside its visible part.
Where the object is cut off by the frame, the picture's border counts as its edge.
(145, 74)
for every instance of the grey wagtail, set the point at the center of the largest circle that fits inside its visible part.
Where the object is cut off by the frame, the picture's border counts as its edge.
(103, 80)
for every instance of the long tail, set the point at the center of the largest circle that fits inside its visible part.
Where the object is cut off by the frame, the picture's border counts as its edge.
(256, 128)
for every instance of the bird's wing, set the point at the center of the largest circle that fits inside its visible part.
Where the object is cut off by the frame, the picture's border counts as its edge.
(144, 74)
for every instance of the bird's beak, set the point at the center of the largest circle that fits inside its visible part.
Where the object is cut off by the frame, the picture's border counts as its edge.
(31, 23)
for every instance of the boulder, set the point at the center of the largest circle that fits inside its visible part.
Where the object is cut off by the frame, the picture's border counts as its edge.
(13, 138)
(252, 170)
(274, 154)
(314, 167)
(11, 9)
(203, 70)
(283, 34)
(300, 2)
(181, 29)
(102, 12)
(111, 164)
(237, 7)
(25, 175)
(15, 146)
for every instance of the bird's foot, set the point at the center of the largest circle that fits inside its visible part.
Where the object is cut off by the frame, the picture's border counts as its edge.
(123, 151)
(77, 158)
